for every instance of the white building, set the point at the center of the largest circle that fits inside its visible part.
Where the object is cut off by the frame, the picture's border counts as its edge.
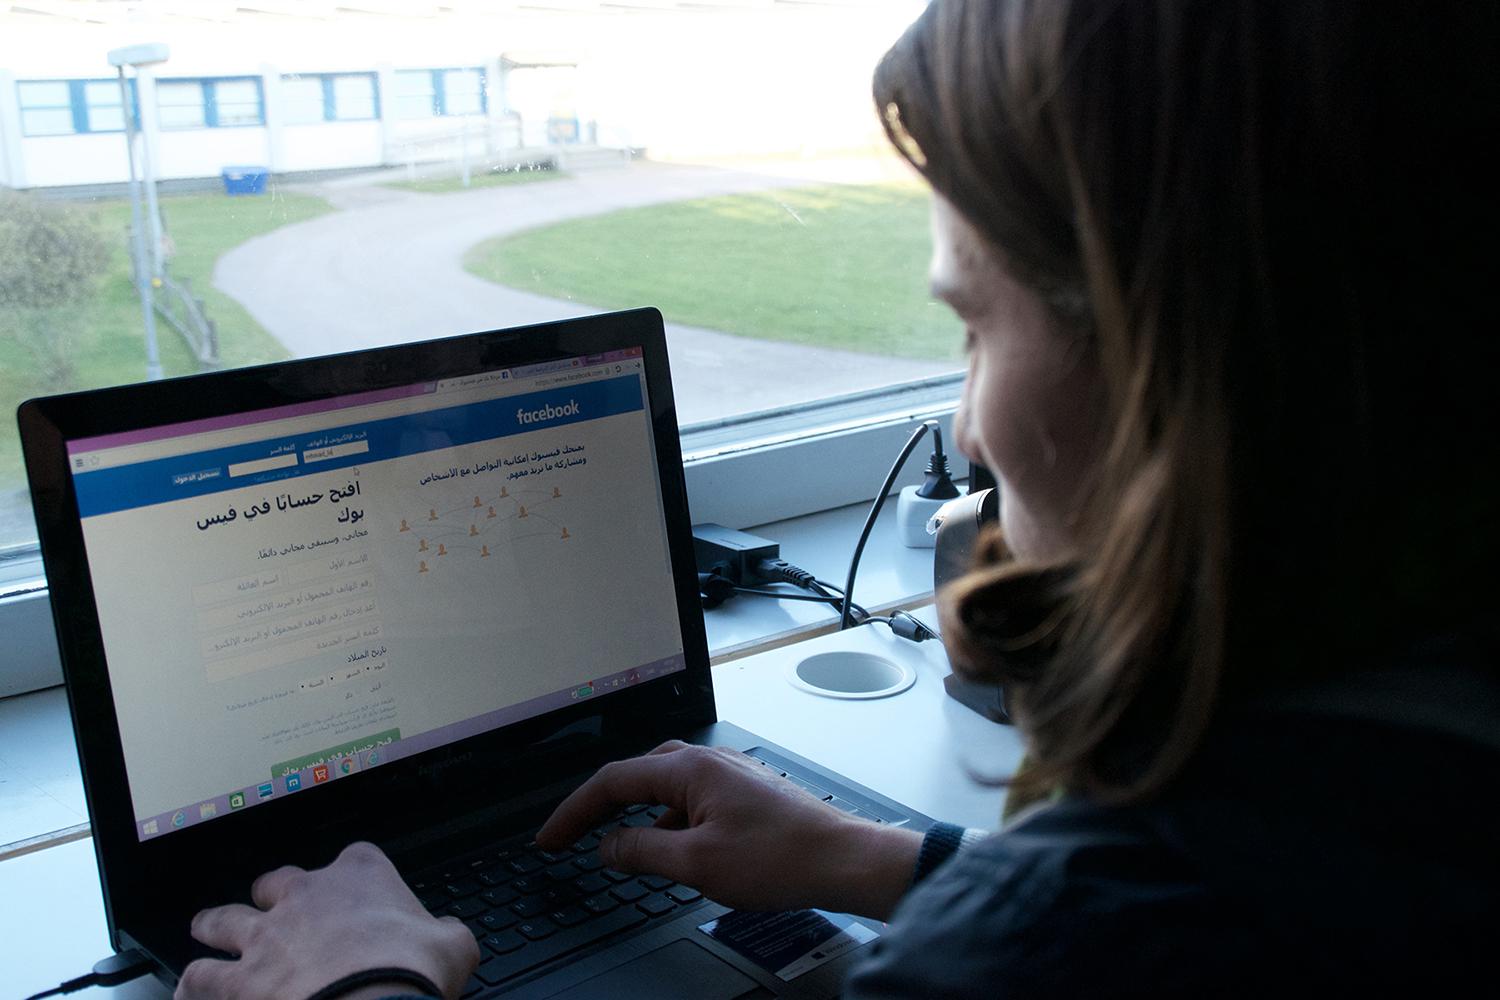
(309, 86)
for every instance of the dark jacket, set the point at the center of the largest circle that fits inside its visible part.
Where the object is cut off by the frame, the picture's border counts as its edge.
(1345, 838)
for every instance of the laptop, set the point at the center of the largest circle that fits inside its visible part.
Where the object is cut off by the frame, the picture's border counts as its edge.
(414, 595)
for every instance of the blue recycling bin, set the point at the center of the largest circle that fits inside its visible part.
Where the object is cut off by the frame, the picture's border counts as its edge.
(245, 180)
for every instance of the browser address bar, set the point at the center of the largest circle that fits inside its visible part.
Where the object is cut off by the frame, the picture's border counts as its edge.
(570, 377)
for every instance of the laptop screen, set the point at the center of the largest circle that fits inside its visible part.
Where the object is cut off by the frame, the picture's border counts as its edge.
(291, 596)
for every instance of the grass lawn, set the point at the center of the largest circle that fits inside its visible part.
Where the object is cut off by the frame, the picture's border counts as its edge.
(481, 178)
(106, 330)
(833, 265)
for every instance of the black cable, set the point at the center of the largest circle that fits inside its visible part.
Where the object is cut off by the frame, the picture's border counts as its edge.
(111, 971)
(818, 598)
(845, 620)
(782, 595)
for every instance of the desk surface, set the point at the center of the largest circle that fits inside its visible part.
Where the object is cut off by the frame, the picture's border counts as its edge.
(917, 747)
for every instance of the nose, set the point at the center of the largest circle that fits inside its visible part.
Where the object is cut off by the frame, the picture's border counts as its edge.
(962, 424)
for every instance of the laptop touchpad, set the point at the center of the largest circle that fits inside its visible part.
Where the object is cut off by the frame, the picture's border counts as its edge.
(678, 971)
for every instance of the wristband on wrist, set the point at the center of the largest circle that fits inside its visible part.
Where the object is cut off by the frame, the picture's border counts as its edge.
(374, 977)
(939, 844)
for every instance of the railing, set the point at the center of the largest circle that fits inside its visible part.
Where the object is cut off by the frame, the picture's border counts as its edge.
(184, 312)
(474, 140)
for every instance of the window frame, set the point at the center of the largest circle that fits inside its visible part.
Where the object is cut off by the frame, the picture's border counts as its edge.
(438, 78)
(208, 89)
(328, 83)
(78, 106)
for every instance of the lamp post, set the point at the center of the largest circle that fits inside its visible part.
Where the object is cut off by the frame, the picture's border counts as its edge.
(140, 56)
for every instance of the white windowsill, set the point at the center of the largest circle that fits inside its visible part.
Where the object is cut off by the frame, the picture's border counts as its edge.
(41, 791)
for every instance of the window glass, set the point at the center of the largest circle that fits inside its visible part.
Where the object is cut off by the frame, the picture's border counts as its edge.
(415, 97)
(301, 99)
(353, 97)
(46, 108)
(238, 102)
(102, 98)
(180, 104)
(462, 92)
(479, 165)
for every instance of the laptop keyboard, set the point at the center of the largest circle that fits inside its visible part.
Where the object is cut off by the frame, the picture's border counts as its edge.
(527, 906)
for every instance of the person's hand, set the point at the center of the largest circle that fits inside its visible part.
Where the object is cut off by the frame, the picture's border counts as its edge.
(311, 928)
(739, 833)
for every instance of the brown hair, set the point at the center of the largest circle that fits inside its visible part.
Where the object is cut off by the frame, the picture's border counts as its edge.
(1260, 217)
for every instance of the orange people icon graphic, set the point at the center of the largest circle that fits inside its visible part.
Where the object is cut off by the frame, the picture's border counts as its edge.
(484, 551)
(432, 513)
(477, 502)
(522, 512)
(565, 533)
(490, 514)
(441, 550)
(421, 545)
(403, 525)
(504, 491)
(556, 493)
(422, 566)
(473, 530)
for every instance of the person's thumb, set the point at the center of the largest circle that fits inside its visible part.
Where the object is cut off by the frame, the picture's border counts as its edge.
(645, 849)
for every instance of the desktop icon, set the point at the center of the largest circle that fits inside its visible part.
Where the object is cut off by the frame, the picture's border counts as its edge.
(293, 781)
(264, 791)
(149, 828)
(346, 766)
(178, 818)
(320, 774)
(236, 800)
(373, 758)
(208, 810)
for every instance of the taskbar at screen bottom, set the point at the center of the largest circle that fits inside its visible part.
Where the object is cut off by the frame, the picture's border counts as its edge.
(384, 747)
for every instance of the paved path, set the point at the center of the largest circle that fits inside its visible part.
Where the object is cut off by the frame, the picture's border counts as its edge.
(388, 268)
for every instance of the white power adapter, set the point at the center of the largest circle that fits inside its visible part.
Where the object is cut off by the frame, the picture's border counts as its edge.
(917, 504)
(913, 512)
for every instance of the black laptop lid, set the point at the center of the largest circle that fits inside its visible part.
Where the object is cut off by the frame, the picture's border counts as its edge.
(374, 595)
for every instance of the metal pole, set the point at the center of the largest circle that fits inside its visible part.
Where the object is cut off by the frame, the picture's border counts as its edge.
(138, 238)
(464, 148)
(148, 177)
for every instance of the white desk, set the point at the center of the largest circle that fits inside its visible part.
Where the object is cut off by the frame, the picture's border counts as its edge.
(913, 747)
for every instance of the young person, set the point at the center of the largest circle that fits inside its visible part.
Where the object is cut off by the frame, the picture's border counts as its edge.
(1229, 354)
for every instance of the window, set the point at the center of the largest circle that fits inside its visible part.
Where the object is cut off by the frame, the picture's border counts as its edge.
(416, 93)
(69, 107)
(722, 163)
(103, 112)
(181, 105)
(439, 93)
(236, 102)
(211, 103)
(46, 108)
(309, 99)
(355, 96)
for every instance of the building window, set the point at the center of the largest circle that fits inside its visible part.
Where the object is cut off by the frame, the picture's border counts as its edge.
(70, 107)
(237, 102)
(46, 108)
(308, 99)
(101, 105)
(181, 104)
(213, 103)
(439, 93)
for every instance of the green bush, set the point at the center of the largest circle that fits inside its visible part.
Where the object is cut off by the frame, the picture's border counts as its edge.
(52, 256)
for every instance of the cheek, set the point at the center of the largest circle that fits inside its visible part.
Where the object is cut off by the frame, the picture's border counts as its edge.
(1020, 417)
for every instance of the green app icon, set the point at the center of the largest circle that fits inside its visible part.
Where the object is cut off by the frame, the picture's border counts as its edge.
(237, 800)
